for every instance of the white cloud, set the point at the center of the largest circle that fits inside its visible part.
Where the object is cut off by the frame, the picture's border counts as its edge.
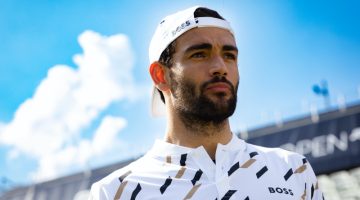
(61, 161)
(2, 128)
(106, 133)
(69, 100)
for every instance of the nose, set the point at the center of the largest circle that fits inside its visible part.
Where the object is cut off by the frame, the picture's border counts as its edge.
(218, 66)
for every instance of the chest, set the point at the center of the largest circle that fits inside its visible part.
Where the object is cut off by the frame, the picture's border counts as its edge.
(256, 183)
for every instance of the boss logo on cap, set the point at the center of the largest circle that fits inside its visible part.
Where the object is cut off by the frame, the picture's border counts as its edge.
(181, 27)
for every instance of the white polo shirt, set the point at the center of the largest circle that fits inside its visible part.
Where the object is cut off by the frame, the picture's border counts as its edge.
(242, 172)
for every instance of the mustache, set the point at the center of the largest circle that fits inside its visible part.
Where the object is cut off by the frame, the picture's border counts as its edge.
(218, 79)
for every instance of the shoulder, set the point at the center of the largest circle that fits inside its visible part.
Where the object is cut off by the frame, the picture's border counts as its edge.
(277, 155)
(284, 161)
(107, 187)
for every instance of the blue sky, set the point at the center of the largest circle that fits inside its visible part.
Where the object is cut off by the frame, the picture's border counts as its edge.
(75, 89)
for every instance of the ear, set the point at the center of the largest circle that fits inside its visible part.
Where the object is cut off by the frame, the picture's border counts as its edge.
(157, 73)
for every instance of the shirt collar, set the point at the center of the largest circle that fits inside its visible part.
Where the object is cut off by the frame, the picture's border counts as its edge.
(162, 148)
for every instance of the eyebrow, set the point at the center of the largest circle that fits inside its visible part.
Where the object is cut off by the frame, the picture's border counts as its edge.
(230, 48)
(209, 46)
(199, 47)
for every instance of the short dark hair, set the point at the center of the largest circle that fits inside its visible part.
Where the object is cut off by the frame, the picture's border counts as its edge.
(166, 57)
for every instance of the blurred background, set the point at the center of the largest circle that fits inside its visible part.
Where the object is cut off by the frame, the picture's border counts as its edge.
(75, 90)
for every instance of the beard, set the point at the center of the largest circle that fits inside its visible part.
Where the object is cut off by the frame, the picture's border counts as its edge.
(199, 110)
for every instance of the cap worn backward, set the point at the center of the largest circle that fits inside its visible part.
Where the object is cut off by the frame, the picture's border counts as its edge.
(170, 28)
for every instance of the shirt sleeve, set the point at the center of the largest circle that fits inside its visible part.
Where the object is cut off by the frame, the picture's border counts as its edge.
(312, 191)
(96, 193)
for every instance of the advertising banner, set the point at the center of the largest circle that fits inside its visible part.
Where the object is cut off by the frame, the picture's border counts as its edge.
(329, 145)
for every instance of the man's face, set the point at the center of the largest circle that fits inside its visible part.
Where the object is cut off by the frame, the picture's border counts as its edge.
(204, 77)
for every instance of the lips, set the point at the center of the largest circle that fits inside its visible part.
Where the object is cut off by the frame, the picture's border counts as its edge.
(218, 87)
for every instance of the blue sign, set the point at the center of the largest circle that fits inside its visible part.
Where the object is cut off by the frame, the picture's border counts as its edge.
(329, 145)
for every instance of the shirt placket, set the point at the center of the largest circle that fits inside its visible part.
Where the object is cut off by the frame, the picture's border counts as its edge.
(222, 180)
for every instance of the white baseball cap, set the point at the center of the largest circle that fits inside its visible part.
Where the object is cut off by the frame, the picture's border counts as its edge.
(170, 28)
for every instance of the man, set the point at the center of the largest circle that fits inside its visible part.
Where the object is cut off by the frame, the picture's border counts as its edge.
(193, 64)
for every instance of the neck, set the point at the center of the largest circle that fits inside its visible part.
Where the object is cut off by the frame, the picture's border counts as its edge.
(194, 135)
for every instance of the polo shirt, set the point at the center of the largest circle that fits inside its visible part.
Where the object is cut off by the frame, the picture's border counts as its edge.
(241, 171)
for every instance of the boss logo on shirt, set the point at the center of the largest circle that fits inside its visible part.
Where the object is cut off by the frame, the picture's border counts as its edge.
(281, 190)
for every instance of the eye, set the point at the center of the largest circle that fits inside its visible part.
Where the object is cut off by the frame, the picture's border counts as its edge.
(198, 55)
(230, 56)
